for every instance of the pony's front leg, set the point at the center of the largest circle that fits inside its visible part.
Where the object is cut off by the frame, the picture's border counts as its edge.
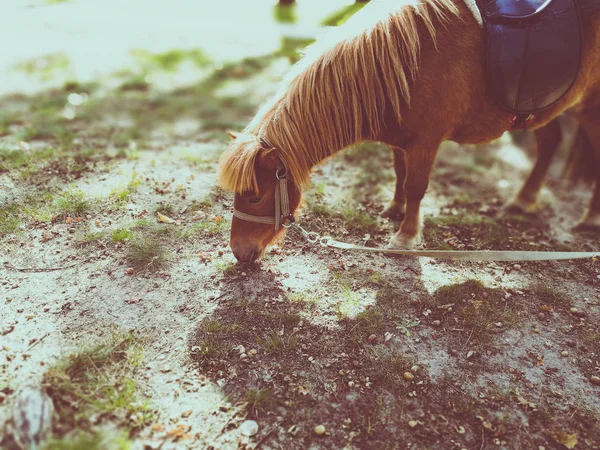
(397, 207)
(419, 161)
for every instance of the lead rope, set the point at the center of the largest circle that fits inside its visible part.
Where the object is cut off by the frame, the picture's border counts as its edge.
(466, 255)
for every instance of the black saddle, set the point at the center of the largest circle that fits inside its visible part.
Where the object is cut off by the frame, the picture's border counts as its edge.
(533, 51)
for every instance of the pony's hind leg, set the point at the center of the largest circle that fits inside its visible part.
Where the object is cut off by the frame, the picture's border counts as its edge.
(590, 121)
(397, 206)
(419, 162)
(548, 139)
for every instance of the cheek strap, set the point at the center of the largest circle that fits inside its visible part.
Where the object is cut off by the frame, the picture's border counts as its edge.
(283, 217)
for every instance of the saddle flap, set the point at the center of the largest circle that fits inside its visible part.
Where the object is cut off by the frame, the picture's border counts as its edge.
(532, 64)
(511, 9)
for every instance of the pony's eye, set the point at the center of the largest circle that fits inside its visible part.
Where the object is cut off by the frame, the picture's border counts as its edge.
(254, 200)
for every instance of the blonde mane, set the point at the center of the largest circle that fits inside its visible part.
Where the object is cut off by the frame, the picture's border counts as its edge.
(337, 93)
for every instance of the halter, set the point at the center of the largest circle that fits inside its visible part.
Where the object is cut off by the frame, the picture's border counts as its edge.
(283, 217)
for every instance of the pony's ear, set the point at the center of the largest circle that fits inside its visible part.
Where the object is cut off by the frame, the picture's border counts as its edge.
(268, 157)
(233, 135)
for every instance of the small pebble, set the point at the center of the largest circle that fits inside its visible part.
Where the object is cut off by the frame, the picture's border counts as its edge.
(408, 376)
(412, 423)
(564, 353)
(350, 383)
(436, 323)
(517, 267)
(129, 271)
(595, 380)
(372, 339)
(319, 430)
(249, 428)
(253, 351)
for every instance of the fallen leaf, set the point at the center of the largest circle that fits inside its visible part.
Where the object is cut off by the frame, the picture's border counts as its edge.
(158, 427)
(187, 413)
(568, 440)
(539, 362)
(164, 219)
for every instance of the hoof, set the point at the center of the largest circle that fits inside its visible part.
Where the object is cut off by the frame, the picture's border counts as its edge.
(519, 206)
(402, 242)
(394, 211)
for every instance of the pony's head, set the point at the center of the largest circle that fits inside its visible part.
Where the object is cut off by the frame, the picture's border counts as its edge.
(258, 176)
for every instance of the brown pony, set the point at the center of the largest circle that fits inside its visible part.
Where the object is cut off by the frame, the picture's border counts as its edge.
(409, 74)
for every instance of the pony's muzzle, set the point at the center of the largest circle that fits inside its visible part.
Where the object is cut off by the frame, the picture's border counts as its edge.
(246, 254)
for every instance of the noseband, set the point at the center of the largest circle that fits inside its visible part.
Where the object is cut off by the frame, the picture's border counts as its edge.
(283, 217)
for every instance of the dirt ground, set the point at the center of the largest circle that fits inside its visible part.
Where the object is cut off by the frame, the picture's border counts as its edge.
(120, 298)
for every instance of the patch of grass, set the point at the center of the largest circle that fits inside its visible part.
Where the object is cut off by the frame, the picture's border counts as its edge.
(285, 13)
(99, 380)
(547, 295)
(215, 339)
(479, 309)
(260, 400)
(227, 268)
(358, 221)
(489, 232)
(71, 203)
(6, 120)
(121, 234)
(391, 300)
(88, 441)
(349, 303)
(146, 253)
(207, 228)
(10, 219)
(87, 237)
(276, 344)
(388, 366)
(170, 60)
(120, 196)
(304, 297)
(45, 67)
(367, 323)
(11, 159)
(342, 15)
